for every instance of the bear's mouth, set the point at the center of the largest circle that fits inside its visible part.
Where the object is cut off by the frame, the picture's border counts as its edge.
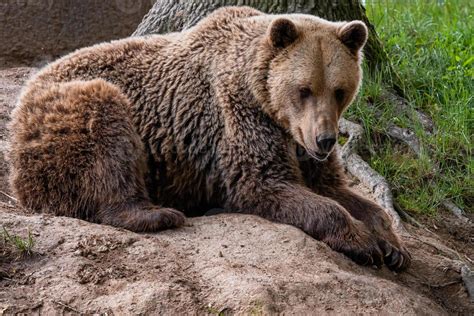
(317, 156)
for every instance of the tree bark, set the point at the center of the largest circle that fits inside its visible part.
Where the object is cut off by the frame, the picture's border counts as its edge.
(176, 15)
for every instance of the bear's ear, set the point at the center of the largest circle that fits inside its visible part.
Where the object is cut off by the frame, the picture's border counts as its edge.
(283, 32)
(354, 35)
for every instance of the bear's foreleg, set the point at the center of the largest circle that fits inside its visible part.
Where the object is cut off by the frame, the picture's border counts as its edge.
(396, 257)
(328, 179)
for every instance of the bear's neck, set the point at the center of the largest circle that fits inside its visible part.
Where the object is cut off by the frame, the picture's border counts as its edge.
(242, 68)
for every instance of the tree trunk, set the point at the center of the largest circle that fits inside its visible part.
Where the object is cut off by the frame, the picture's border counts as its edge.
(176, 15)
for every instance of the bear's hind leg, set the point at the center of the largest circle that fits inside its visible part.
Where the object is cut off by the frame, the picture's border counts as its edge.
(74, 151)
(140, 216)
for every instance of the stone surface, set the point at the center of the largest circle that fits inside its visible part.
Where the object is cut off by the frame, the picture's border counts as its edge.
(43, 29)
(236, 263)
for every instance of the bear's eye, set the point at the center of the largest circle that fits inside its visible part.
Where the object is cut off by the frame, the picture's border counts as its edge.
(339, 94)
(305, 92)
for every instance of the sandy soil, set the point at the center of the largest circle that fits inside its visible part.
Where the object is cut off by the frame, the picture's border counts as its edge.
(224, 263)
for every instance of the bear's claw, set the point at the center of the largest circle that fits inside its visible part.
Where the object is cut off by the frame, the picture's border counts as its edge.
(372, 257)
(395, 259)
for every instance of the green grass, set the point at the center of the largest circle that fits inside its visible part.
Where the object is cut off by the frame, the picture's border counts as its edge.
(22, 246)
(431, 46)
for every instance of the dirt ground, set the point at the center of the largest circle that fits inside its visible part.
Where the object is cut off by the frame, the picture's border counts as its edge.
(217, 264)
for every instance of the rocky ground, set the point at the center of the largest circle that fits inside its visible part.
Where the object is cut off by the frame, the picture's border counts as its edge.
(216, 264)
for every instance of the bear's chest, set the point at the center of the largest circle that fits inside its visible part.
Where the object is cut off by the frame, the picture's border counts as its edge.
(182, 154)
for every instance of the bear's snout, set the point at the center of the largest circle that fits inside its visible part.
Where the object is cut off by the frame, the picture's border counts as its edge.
(326, 142)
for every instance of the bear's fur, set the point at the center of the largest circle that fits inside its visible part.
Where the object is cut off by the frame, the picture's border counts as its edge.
(127, 133)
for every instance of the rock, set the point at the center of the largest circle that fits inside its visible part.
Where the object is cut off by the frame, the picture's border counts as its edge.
(42, 30)
(11, 81)
(233, 263)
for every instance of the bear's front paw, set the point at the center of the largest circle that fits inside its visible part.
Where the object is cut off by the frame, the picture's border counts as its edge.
(359, 245)
(396, 257)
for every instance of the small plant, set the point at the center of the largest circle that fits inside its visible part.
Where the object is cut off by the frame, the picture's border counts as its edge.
(213, 311)
(24, 246)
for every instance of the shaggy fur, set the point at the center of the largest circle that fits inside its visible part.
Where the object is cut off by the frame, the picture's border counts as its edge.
(127, 133)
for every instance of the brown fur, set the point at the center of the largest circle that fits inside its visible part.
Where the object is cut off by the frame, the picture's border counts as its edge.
(210, 117)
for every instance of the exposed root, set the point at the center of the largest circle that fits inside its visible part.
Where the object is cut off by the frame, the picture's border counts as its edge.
(8, 205)
(438, 247)
(9, 196)
(438, 286)
(66, 307)
(383, 195)
(410, 139)
(401, 105)
(403, 135)
(468, 278)
(406, 136)
(407, 218)
(458, 212)
(366, 175)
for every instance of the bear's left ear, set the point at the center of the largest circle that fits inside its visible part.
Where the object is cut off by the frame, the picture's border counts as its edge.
(354, 35)
(283, 32)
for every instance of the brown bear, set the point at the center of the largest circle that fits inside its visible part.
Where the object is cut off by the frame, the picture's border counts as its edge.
(138, 132)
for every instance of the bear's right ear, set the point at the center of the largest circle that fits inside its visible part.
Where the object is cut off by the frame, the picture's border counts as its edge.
(283, 32)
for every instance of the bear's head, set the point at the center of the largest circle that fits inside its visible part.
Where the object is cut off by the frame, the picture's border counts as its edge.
(313, 74)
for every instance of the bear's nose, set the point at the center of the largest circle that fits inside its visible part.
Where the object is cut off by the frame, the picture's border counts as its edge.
(326, 141)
